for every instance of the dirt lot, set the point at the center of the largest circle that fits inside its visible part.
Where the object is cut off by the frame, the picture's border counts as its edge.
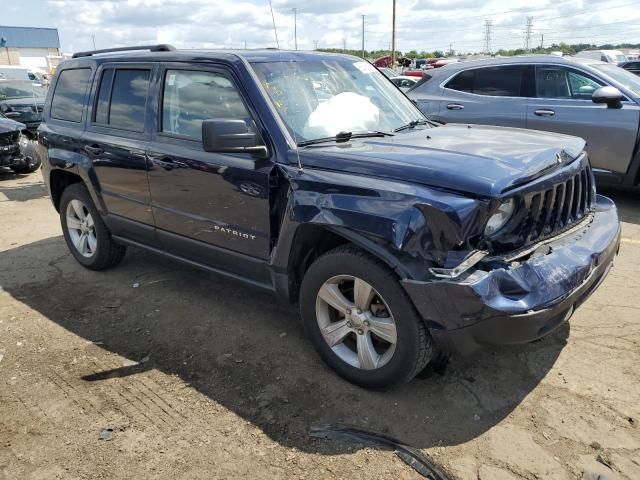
(200, 377)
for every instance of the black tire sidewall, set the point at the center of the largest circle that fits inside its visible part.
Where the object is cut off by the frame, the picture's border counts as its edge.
(408, 324)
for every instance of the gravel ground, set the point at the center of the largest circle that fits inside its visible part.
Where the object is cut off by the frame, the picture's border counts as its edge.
(201, 377)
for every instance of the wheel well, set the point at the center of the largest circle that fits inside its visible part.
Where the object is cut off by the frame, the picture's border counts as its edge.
(310, 242)
(58, 181)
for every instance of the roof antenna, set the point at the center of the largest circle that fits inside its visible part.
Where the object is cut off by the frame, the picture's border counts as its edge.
(275, 31)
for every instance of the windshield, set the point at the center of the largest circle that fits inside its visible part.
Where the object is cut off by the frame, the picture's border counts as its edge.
(620, 75)
(621, 58)
(20, 89)
(318, 99)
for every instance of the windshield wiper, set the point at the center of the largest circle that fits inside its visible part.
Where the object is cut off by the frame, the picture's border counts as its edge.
(413, 124)
(345, 137)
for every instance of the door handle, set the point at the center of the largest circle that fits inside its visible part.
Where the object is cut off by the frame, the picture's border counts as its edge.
(543, 112)
(166, 162)
(93, 149)
(455, 106)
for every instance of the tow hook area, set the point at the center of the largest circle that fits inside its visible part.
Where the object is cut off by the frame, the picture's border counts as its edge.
(469, 261)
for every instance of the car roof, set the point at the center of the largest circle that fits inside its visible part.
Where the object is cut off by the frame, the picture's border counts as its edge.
(517, 59)
(195, 55)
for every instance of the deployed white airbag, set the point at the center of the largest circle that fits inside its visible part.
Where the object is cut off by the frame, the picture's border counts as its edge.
(345, 112)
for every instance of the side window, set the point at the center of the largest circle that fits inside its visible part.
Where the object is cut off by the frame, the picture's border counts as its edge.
(122, 98)
(463, 82)
(68, 98)
(603, 58)
(560, 82)
(502, 81)
(190, 97)
(505, 81)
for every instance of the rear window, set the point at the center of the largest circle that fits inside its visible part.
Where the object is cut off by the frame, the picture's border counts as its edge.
(68, 98)
(502, 81)
(122, 99)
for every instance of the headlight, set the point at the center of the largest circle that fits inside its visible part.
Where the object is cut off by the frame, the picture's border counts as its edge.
(500, 218)
(21, 109)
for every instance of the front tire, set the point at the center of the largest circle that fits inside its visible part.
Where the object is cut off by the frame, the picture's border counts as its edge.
(87, 237)
(360, 320)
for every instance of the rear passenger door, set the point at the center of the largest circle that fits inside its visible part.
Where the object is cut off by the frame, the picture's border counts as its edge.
(486, 95)
(207, 205)
(115, 141)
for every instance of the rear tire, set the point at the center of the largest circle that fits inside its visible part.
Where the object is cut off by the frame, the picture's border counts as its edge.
(32, 165)
(376, 307)
(87, 237)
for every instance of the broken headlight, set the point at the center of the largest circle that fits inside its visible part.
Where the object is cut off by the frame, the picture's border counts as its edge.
(500, 218)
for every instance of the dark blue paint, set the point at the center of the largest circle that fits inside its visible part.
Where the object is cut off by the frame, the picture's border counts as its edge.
(415, 200)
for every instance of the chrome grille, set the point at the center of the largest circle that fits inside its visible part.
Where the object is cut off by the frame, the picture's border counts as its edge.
(9, 138)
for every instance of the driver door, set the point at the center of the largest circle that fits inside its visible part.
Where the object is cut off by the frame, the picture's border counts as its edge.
(563, 105)
(207, 206)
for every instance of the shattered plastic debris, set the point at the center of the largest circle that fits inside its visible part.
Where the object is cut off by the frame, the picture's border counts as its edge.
(409, 455)
(135, 285)
(106, 434)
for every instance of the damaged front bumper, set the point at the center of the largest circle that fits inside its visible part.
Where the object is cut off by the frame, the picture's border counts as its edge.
(525, 301)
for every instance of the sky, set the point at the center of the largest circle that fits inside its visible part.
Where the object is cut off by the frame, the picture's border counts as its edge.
(421, 24)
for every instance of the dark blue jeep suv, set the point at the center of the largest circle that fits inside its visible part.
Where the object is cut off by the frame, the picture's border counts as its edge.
(313, 176)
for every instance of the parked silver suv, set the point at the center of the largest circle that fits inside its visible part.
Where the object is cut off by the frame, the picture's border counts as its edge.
(597, 101)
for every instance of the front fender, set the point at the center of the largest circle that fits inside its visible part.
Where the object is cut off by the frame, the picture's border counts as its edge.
(407, 226)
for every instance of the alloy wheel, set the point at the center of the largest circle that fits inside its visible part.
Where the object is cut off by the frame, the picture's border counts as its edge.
(356, 322)
(81, 228)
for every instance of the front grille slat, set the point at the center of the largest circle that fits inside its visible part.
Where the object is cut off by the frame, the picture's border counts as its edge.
(560, 191)
(577, 194)
(534, 213)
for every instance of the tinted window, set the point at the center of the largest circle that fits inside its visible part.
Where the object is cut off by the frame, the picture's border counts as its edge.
(560, 82)
(462, 82)
(129, 99)
(69, 95)
(503, 81)
(101, 114)
(499, 81)
(191, 97)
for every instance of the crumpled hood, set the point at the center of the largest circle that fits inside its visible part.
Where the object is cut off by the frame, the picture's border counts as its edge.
(482, 160)
(7, 125)
(23, 102)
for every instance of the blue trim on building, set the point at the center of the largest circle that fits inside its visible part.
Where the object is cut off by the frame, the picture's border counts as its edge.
(29, 37)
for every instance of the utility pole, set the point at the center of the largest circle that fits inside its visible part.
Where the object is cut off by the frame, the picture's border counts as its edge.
(393, 37)
(245, 44)
(450, 49)
(487, 36)
(541, 40)
(93, 37)
(295, 26)
(344, 45)
(315, 44)
(527, 38)
(362, 36)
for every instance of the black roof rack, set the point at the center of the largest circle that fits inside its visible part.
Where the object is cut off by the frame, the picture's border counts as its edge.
(163, 47)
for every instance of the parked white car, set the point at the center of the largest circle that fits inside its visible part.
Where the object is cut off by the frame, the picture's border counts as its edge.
(609, 56)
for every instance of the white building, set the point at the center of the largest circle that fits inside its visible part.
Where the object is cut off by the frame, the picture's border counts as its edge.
(34, 48)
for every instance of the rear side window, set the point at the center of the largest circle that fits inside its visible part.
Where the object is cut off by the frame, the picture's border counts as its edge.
(503, 81)
(122, 99)
(68, 98)
(191, 97)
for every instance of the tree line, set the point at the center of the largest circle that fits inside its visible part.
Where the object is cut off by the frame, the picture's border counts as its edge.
(567, 49)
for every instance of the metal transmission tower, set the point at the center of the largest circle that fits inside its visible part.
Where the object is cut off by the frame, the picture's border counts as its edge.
(487, 36)
(527, 37)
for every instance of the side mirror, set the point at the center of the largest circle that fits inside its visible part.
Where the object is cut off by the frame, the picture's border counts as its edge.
(230, 135)
(609, 95)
